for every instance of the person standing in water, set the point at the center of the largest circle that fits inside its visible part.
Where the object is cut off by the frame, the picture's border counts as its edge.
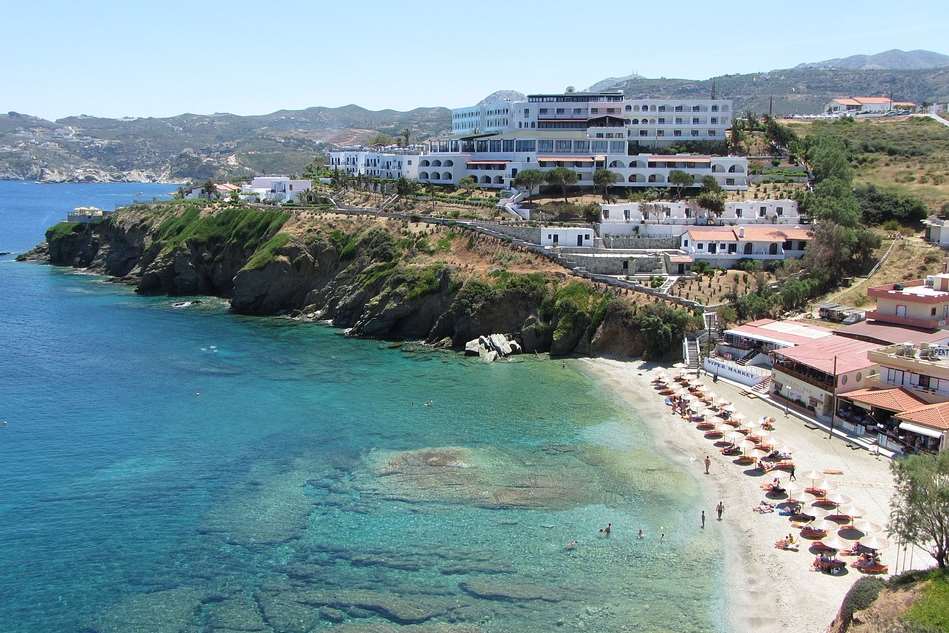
(703, 519)
(708, 463)
(720, 509)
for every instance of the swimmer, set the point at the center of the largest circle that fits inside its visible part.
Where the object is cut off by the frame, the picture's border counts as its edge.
(572, 545)
(641, 536)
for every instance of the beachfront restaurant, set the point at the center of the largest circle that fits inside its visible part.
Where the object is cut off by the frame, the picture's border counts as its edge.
(894, 418)
(752, 342)
(809, 376)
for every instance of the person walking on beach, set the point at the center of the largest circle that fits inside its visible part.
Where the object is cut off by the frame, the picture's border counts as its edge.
(703, 519)
(708, 463)
(720, 509)
(792, 477)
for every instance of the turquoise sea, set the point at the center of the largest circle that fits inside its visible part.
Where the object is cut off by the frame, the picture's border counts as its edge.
(185, 469)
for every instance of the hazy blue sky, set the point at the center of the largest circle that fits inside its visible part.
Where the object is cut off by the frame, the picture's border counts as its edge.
(164, 58)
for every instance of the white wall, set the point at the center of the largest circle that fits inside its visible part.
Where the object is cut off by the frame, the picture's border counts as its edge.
(747, 375)
(566, 236)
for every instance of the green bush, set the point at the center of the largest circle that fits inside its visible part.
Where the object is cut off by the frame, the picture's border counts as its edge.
(930, 611)
(61, 230)
(861, 595)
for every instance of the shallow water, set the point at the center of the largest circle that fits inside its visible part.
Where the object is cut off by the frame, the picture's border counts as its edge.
(185, 469)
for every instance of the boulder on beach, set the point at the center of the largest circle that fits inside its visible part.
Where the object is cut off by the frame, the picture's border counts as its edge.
(492, 347)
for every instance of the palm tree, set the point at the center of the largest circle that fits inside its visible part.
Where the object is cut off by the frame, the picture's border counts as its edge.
(528, 179)
(561, 177)
(604, 178)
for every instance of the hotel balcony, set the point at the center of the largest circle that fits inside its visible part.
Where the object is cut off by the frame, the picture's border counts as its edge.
(928, 324)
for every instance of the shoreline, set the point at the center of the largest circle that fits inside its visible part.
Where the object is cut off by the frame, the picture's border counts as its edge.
(766, 589)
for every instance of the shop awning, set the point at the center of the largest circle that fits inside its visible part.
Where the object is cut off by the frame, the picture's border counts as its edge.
(920, 430)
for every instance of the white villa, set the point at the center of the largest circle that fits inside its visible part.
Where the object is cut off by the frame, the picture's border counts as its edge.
(87, 215)
(726, 245)
(496, 139)
(275, 188)
(655, 219)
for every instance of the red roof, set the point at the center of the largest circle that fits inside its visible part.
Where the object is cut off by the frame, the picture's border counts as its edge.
(887, 334)
(750, 233)
(850, 353)
(892, 399)
(935, 416)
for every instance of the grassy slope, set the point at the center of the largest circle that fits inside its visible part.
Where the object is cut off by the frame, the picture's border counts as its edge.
(906, 154)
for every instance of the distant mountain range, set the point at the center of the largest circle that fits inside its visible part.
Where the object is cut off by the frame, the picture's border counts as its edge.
(894, 59)
(920, 76)
(192, 146)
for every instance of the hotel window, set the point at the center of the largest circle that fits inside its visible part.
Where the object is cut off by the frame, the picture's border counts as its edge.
(662, 120)
(617, 147)
(696, 109)
(714, 108)
(545, 145)
(660, 133)
(678, 120)
(695, 132)
(578, 110)
(495, 146)
(700, 246)
(525, 146)
(562, 145)
(543, 111)
(481, 146)
(628, 108)
(761, 212)
(923, 381)
(685, 243)
(711, 132)
(678, 108)
(581, 146)
(695, 120)
(508, 145)
(677, 133)
(560, 110)
(714, 120)
(643, 133)
(737, 213)
(780, 210)
(600, 146)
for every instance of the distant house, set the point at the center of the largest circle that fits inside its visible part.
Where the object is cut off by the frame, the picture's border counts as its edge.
(87, 215)
(566, 236)
(726, 245)
(867, 105)
(937, 231)
(922, 303)
(278, 189)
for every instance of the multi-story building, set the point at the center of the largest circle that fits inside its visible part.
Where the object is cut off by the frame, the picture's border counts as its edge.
(905, 407)
(497, 139)
(937, 231)
(275, 188)
(922, 303)
(493, 114)
(390, 164)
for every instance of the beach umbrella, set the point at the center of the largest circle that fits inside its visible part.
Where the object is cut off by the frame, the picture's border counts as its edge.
(873, 542)
(867, 527)
(793, 491)
(722, 402)
(747, 446)
(835, 543)
(813, 475)
(734, 437)
(837, 499)
(824, 525)
(849, 510)
(738, 417)
(730, 408)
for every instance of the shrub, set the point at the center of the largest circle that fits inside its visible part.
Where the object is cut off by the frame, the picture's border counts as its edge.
(861, 595)
(267, 251)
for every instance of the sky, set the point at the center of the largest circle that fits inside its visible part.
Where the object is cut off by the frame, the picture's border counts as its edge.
(165, 58)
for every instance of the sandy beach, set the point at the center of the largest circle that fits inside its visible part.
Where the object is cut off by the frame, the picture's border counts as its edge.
(769, 590)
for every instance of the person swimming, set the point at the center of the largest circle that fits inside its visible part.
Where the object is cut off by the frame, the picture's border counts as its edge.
(606, 531)
(641, 536)
(572, 545)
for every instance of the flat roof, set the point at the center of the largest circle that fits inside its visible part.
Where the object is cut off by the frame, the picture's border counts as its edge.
(749, 233)
(786, 333)
(888, 334)
(850, 354)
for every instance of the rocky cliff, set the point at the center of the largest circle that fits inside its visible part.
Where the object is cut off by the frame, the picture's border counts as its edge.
(378, 278)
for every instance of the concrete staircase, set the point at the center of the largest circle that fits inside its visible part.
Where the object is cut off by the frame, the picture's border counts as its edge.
(692, 349)
(744, 360)
(764, 386)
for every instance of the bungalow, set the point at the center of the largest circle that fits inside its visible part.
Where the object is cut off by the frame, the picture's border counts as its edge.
(87, 215)
(277, 189)
(570, 236)
(937, 231)
(867, 105)
(725, 245)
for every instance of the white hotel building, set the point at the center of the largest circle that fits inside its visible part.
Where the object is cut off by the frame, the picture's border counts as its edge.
(495, 140)
(390, 164)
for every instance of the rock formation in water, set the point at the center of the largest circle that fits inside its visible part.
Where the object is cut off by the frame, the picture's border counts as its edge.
(378, 278)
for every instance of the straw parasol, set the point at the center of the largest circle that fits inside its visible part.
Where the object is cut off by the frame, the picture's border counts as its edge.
(837, 499)
(730, 408)
(738, 417)
(873, 542)
(849, 510)
(747, 446)
(824, 526)
(867, 527)
(813, 475)
(835, 543)
(734, 437)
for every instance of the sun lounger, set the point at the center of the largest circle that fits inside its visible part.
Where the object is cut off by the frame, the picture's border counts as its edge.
(870, 568)
(832, 566)
(785, 545)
